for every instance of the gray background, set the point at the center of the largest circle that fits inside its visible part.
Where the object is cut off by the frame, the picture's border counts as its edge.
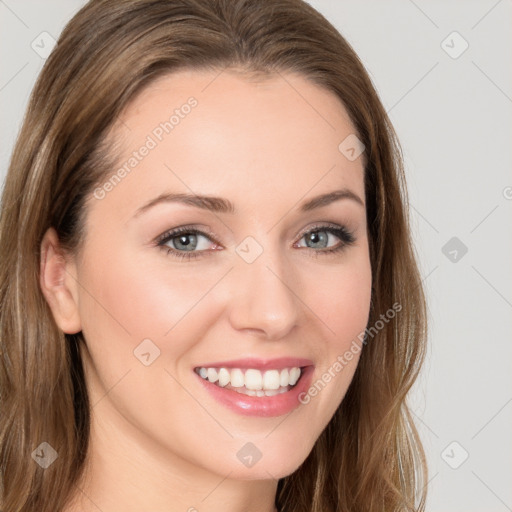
(453, 117)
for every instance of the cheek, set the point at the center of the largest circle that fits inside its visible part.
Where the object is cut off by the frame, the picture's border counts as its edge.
(341, 299)
(135, 300)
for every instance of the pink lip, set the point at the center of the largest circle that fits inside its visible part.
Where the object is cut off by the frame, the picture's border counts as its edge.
(260, 364)
(266, 406)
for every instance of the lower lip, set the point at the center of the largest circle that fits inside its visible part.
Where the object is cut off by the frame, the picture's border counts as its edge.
(265, 406)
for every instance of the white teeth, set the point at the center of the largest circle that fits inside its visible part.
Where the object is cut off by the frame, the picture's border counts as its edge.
(253, 382)
(212, 375)
(271, 380)
(253, 379)
(251, 392)
(223, 377)
(294, 376)
(237, 378)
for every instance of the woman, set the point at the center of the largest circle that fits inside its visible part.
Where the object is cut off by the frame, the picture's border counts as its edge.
(210, 299)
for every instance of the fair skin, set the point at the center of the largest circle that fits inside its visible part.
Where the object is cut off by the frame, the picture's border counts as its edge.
(159, 441)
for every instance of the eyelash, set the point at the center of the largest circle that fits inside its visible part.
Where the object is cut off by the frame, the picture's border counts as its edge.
(347, 239)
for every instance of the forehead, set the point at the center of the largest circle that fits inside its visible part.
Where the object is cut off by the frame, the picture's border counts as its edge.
(222, 133)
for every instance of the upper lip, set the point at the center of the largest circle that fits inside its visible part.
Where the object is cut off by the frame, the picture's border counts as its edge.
(260, 364)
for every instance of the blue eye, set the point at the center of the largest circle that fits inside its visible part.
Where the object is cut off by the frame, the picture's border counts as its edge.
(327, 239)
(186, 242)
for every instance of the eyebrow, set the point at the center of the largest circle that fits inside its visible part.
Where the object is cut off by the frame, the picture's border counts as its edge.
(221, 205)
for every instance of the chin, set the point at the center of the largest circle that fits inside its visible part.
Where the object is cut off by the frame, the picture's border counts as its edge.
(275, 462)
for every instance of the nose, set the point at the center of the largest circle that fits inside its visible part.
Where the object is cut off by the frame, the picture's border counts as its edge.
(263, 298)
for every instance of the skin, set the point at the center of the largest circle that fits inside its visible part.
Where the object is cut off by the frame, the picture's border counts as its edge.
(159, 441)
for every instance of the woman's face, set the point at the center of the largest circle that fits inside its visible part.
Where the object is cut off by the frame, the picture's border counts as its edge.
(237, 231)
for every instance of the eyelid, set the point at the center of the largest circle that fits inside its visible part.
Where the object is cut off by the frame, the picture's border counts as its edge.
(342, 232)
(345, 235)
(315, 227)
(192, 229)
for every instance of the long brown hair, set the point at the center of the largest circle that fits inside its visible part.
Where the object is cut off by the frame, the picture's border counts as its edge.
(369, 457)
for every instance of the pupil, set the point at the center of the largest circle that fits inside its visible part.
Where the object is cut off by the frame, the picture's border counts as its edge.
(318, 239)
(187, 242)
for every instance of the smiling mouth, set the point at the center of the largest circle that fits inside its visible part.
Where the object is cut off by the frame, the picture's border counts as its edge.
(251, 381)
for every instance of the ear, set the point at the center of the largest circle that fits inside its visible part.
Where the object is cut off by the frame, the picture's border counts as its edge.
(58, 280)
